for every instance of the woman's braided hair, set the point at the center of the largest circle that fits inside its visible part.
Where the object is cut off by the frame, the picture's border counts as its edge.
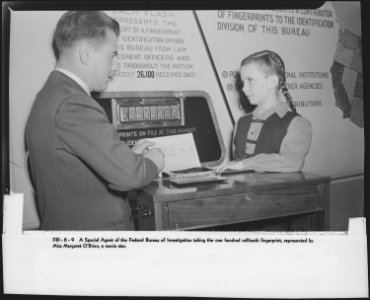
(272, 64)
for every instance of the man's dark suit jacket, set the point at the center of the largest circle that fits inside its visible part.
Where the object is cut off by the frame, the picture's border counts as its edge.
(79, 166)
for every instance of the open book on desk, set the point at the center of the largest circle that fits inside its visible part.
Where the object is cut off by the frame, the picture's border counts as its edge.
(182, 164)
(193, 175)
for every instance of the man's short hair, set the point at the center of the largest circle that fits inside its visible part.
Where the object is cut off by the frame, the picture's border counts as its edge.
(78, 25)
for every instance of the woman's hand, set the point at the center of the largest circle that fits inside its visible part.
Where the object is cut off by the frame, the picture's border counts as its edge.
(233, 165)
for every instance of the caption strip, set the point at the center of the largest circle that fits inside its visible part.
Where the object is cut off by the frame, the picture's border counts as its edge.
(123, 242)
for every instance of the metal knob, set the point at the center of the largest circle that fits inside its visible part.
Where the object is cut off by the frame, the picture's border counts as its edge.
(147, 213)
(248, 198)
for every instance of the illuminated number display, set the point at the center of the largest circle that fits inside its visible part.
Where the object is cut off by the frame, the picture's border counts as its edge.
(148, 112)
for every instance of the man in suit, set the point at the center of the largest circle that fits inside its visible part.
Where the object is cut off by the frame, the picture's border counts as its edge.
(79, 166)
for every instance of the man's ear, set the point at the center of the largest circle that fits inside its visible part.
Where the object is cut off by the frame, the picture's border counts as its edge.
(84, 53)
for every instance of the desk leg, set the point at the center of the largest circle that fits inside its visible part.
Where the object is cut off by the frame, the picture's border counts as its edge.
(324, 197)
(161, 216)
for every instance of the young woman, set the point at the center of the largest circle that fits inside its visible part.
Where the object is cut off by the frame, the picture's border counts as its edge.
(274, 137)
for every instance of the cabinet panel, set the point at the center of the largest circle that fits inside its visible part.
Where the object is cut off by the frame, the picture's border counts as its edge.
(242, 207)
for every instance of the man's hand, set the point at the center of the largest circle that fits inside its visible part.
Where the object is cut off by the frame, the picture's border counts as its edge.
(141, 145)
(156, 156)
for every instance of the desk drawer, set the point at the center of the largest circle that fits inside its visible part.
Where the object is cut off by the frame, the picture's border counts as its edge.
(225, 209)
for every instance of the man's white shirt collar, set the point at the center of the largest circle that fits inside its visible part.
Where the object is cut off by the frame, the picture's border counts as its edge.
(75, 78)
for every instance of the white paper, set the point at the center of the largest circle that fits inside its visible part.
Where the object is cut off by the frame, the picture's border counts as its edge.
(179, 150)
(190, 264)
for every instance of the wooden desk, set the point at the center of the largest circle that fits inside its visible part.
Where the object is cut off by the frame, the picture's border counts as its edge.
(298, 200)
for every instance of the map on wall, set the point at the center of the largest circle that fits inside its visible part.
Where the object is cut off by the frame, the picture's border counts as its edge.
(347, 76)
